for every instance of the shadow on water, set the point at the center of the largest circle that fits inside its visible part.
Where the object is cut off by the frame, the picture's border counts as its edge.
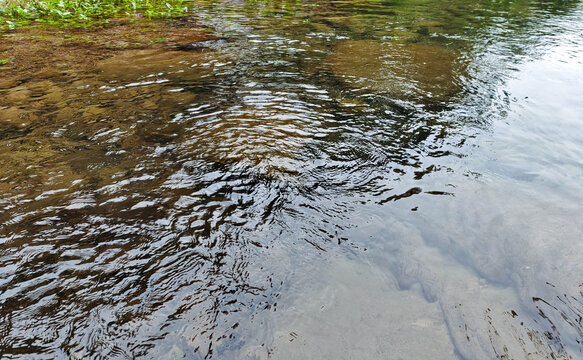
(313, 170)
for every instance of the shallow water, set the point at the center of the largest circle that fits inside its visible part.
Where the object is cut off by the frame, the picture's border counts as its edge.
(326, 180)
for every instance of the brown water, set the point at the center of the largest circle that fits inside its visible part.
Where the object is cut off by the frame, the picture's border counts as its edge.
(334, 180)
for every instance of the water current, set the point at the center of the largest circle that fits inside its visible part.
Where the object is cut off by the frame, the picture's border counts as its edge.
(324, 179)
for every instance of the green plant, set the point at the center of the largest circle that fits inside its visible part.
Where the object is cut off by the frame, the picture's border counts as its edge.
(84, 12)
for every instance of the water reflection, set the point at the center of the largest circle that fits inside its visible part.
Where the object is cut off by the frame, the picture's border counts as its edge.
(252, 197)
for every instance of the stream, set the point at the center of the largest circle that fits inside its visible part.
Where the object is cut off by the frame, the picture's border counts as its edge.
(362, 179)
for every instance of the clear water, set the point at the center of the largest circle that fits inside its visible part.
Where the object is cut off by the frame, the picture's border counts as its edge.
(333, 180)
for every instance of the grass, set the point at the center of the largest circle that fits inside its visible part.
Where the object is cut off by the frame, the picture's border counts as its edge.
(3, 59)
(15, 13)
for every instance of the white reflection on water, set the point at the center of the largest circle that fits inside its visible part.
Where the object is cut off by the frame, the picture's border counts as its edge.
(354, 310)
(480, 276)
(494, 272)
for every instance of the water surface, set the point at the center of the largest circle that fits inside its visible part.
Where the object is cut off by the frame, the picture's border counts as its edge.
(339, 179)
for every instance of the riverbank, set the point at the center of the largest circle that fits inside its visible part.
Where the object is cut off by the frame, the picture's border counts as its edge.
(71, 13)
(41, 67)
(41, 52)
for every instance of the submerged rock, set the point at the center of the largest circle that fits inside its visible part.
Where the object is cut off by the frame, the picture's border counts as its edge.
(416, 70)
(131, 65)
(201, 45)
(8, 83)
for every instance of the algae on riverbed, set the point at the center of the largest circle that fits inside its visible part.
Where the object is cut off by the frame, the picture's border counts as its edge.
(412, 70)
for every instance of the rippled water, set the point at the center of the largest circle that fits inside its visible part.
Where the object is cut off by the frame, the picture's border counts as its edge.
(335, 180)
